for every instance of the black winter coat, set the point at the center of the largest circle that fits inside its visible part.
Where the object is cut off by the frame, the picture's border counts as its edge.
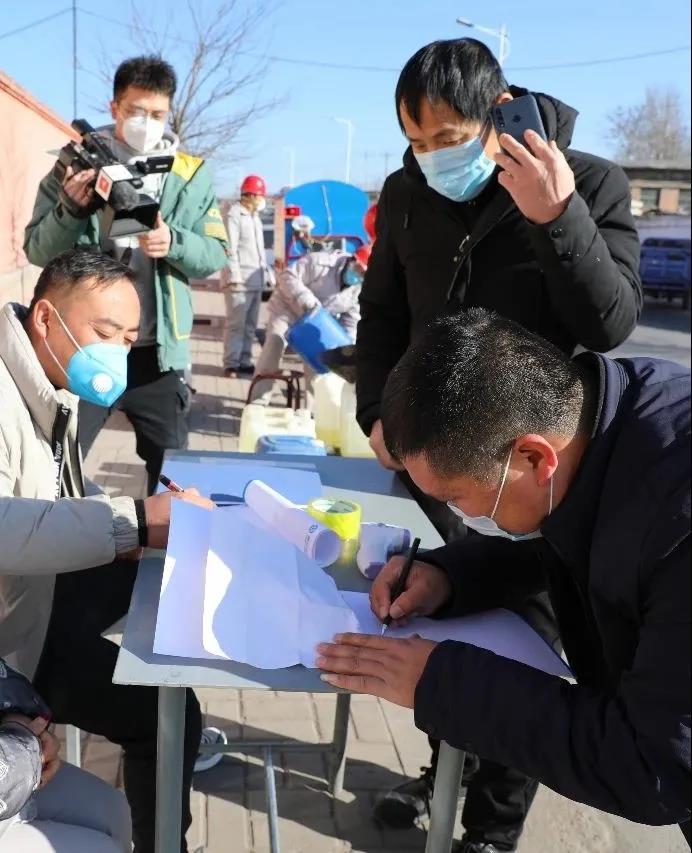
(573, 281)
(615, 560)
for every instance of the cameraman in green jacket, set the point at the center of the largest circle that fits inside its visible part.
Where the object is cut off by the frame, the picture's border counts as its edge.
(188, 241)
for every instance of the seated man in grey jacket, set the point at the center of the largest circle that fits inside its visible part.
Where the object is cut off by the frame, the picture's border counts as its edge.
(61, 585)
(45, 806)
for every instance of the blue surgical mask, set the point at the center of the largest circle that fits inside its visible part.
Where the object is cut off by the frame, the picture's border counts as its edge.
(351, 277)
(487, 526)
(460, 172)
(96, 373)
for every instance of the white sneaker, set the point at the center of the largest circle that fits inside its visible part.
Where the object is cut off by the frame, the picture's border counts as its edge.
(207, 760)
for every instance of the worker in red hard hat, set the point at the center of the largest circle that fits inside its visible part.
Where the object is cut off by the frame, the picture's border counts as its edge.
(369, 222)
(328, 279)
(248, 275)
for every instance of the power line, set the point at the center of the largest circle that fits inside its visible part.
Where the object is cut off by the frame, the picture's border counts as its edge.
(338, 66)
(607, 61)
(35, 23)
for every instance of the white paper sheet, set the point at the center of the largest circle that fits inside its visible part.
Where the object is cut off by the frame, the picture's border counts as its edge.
(181, 605)
(499, 631)
(231, 478)
(265, 603)
(180, 621)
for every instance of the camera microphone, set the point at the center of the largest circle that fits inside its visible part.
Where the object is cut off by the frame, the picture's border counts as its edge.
(123, 196)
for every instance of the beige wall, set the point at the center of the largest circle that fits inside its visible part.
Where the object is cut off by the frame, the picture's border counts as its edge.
(670, 193)
(28, 131)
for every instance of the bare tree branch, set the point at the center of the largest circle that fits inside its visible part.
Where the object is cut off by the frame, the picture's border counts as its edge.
(219, 93)
(653, 130)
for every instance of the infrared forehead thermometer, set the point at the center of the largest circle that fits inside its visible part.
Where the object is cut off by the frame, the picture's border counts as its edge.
(379, 543)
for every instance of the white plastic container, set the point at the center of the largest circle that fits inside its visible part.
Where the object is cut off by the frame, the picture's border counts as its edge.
(327, 391)
(352, 440)
(257, 421)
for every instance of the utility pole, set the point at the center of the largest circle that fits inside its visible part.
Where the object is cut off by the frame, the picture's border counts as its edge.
(386, 156)
(501, 34)
(350, 127)
(74, 59)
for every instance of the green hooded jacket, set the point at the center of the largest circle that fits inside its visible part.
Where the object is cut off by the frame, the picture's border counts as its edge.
(198, 247)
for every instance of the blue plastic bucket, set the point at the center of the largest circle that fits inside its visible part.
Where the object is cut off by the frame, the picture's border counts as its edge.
(313, 334)
(295, 445)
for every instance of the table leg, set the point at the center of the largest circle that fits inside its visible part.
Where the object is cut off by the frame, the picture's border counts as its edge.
(338, 766)
(445, 801)
(272, 807)
(169, 769)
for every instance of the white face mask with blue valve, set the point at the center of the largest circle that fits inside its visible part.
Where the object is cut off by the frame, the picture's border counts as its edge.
(96, 373)
(487, 526)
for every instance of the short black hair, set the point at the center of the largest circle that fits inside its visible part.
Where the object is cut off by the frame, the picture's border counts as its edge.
(473, 383)
(78, 268)
(147, 72)
(462, 73)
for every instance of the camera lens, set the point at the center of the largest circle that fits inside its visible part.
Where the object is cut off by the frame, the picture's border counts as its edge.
(516, 119)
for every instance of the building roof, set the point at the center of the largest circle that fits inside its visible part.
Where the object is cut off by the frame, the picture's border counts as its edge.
(14, 90)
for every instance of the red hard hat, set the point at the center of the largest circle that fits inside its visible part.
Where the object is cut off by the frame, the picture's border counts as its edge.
(254, 185)
(369, 221)
(363, 253)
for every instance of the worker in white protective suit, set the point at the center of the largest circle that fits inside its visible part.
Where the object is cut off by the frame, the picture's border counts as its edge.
(329, 279)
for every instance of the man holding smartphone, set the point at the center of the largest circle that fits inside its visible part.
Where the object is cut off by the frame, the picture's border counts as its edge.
(532, 230)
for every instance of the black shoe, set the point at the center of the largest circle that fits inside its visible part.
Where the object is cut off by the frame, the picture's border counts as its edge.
(246, 370)
(404, 805)
(466, 846)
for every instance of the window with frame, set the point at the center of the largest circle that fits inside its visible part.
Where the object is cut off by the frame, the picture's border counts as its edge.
(650, 198)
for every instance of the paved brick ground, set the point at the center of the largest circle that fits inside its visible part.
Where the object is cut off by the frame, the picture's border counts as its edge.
(384, 746)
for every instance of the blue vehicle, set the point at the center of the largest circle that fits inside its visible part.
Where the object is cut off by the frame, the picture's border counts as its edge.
(665, 268)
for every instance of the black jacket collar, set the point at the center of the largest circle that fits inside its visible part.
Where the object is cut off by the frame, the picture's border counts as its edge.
(569, 528)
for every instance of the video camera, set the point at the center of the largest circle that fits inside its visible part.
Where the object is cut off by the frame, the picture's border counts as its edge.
(125, 210)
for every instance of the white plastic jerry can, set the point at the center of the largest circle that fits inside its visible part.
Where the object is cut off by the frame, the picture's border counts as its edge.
(353, 441)
(327, 391)
(257, 421)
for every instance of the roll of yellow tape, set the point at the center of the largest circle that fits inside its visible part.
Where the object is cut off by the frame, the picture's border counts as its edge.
(341, 516)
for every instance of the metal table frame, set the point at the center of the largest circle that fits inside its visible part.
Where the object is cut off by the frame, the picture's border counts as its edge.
(383, 497)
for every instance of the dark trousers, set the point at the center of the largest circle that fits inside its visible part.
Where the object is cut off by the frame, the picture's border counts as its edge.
(75, 678)
(156, 404)
(498, 798)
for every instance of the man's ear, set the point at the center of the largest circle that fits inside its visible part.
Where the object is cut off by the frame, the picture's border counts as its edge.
(114, 110)
(40, 318)
(540, 454)
(504, 98)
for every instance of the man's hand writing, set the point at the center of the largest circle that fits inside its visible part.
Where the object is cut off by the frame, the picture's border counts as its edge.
(157, 509)
(427, 589)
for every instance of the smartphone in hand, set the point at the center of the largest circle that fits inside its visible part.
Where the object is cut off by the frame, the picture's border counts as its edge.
(517, 116)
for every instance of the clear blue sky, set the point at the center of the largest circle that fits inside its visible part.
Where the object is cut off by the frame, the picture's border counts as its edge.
(382, 33)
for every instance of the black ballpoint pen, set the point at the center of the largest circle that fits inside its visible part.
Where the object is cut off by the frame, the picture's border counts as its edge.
(400, 585)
